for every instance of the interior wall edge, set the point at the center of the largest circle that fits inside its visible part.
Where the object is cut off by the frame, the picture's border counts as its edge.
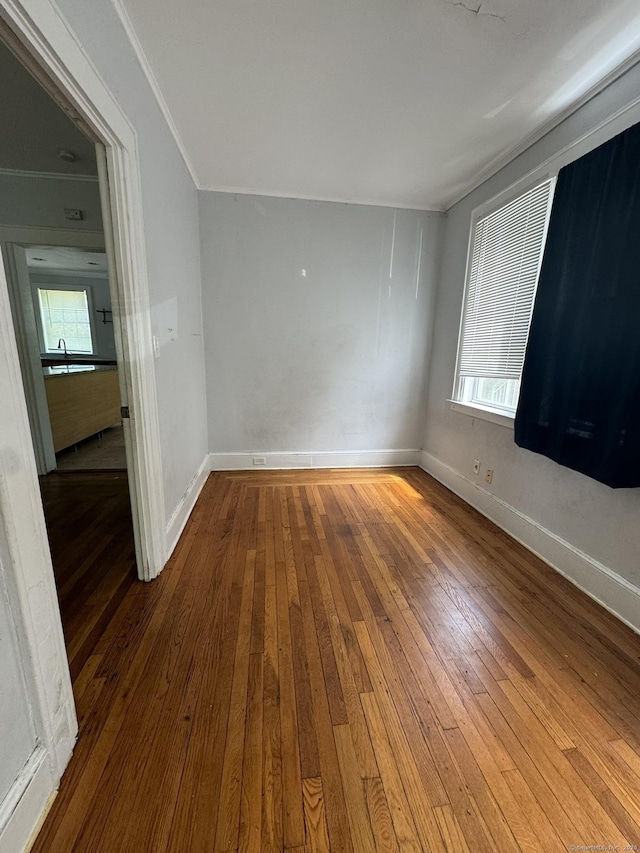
(27, 804)
(314, 459)
(599, 582)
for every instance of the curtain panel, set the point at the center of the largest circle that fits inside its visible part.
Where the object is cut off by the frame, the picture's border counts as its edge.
(580, 394)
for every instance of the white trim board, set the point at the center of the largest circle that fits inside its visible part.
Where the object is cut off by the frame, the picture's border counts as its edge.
(131, 317)
(183, 510)
(42, 236)
(314, 459)
(30, 794)
(55, 176)
(599, 582)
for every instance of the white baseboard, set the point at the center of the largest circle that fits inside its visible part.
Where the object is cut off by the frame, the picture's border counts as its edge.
(23, 810)
(183, 510)
(314, 459)
(598, 581)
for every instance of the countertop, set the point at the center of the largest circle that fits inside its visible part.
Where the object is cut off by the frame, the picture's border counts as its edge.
(61, 369)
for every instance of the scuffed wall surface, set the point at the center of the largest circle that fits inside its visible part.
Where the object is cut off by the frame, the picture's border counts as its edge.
(317, 323)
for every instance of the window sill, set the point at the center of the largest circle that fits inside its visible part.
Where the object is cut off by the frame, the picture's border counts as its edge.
(492, 415)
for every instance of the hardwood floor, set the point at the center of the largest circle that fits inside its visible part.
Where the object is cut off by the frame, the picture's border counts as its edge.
(88, 519)
(352, 661)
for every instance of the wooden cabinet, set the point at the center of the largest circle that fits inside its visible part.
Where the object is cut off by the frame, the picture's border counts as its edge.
(81, 404)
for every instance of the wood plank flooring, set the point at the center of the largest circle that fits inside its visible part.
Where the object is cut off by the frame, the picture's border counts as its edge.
(88, 519)
(352, 661)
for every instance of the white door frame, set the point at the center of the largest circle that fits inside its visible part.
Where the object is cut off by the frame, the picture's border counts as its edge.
(36, 30)
(50, 50)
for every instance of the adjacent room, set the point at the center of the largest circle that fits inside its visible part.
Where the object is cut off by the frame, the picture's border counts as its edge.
(327, 315)
(53, 248)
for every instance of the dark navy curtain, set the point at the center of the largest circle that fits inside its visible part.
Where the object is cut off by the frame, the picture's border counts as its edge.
(580, 395)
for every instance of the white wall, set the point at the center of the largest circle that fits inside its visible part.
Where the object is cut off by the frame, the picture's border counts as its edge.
(580, 514)
(171, 228)
(40, 202)
(317, 324)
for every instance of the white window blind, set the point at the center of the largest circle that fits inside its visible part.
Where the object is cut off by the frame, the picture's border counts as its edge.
(505, 262)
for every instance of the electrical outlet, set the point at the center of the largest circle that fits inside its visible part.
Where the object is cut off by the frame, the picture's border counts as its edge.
(489, 475)
(259, 460)
(476, 466)
(72, 213)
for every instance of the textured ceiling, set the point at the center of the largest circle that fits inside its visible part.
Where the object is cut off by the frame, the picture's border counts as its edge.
(385, 101)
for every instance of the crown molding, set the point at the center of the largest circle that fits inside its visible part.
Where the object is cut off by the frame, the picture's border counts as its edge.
(50, 272)
(400, 205)
(152, 80)
(491, 169)
(42, 235)
(506, 157)
(54, 176)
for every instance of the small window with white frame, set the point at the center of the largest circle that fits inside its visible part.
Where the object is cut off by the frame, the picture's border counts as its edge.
(504, 263)
(65, 316)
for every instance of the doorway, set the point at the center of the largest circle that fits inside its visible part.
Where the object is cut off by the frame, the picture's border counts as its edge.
(65, 324)
(32, 639)
(61, 295)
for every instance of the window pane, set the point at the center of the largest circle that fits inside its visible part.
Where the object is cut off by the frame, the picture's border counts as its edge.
(506, 253)
(499, 393)
(65, 314)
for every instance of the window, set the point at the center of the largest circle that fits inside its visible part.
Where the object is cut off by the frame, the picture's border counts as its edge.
(506, 253)
(65, 315)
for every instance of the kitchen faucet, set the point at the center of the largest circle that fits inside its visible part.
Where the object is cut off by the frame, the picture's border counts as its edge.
(61, 343)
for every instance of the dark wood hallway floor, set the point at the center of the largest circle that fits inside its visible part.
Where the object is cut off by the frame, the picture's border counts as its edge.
(88, 519)
(349, 661)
